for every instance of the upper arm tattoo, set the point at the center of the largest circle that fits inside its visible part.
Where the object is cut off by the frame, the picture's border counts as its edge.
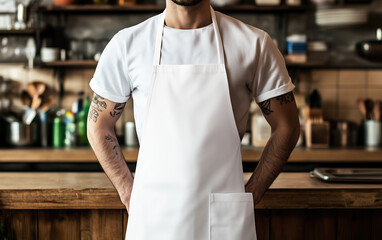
(117, 109)
(286, 98)
(95, 108)
(266, 107)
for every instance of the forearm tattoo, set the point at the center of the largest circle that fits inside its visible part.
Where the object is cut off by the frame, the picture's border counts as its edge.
(114, 141)
(286, 98)
(117, 109)
(266, 107)
(95, 108)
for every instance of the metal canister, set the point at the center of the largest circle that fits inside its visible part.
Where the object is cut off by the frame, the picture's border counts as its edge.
(131, 139)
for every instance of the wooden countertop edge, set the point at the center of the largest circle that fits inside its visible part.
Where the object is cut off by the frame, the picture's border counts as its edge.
(94, 191)
(108, 199)
(86, 155)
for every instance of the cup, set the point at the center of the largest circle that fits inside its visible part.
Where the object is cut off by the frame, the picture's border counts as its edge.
(131, 139)
(372, 133)
(49, 54)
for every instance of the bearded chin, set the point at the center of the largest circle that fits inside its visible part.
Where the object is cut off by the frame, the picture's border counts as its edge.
(186, 3)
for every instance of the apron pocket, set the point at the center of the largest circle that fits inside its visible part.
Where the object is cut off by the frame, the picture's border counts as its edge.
(232, 216)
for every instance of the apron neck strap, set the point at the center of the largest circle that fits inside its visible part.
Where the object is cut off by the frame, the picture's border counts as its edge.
(158, 40)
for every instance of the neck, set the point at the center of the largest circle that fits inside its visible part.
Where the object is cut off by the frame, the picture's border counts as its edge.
(188, 17)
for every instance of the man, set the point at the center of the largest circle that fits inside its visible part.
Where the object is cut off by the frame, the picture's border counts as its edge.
(192, 73)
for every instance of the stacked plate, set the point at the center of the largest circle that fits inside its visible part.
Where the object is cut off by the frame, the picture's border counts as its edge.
(340, 17)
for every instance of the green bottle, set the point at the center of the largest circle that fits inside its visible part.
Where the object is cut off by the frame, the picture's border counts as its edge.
(82, 123)
(58, 132)
(81, 129)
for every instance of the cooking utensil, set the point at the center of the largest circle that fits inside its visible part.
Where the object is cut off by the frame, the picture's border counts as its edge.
(372, 133)
(18, 133)
(343, 134)
(369, 104)
(47, 105)
(361, 107)
(35, 90)
(348, 174)
(377, 111)
(25, 98)
(371, 49)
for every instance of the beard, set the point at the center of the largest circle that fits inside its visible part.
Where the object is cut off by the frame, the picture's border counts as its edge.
(186, 3)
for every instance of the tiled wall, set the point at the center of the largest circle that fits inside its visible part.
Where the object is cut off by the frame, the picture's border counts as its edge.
(340, 90)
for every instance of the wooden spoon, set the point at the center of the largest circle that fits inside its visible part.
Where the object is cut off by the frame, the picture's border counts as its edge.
(377, 111)
(369, 104)
(40, 88)
(362, 107)
(25, 98)
(35, 90)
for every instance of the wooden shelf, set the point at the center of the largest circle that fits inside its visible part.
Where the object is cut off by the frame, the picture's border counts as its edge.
(323, 65)
(86, 155)
(307, 65)
(18, 32)
(159, 8)
(70, 63)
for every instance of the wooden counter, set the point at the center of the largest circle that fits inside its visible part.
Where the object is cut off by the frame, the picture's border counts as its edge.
(81, 206)
(77, 155)
(94, 191)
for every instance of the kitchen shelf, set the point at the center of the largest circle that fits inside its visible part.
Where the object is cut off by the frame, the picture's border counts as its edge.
(18, 32)
(158, 8)
(249, 154)
(307, 65)
(70, 63)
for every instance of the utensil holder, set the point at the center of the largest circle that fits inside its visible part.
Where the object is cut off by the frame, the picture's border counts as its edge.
(372, 133)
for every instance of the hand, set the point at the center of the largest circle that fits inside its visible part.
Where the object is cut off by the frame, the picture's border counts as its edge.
(125, 195)
(255, 192)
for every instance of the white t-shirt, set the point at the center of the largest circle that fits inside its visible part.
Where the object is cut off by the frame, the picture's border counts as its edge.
(255, 66)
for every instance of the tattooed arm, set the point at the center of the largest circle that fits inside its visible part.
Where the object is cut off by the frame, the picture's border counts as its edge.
(281, 114)
(102, 117)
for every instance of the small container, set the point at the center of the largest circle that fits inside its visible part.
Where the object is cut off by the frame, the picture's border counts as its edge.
(90, 48)
(267, 2)
(49, 54)
(343, 134)
(317, 134)
(131, 139)
(76, 49)
(372, 133)
(261, 130)
(293, 2)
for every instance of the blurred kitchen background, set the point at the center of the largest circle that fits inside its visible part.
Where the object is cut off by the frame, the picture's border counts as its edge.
(49, 51)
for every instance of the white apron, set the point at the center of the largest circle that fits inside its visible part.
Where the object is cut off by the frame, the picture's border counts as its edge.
(189, 179)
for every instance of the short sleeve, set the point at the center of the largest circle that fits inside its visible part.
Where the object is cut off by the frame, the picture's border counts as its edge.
(271, 78)
(110, 79)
